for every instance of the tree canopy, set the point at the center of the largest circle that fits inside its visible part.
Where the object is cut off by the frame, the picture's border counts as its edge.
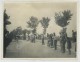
(6, 17)
(45, 22)
(33, 22)
(62, 18)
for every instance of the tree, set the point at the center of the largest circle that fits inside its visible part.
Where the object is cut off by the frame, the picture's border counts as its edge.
(24, 33)
(45, 22)
(28, 32)
(19, 30)
(6, 17)
(6, 22)
(33, 23)
(63, 18)
(14, 34)
(7, 38)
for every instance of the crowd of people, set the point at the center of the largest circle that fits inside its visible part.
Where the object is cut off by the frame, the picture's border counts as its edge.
(52, 40)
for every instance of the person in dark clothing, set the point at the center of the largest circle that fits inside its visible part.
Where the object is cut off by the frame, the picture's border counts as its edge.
(60, 41)
(63, 36)
(43, 39)
(69, 45)
(51, 41)
(55, 41)
(64, 42)
(48, 42)
(34, 37)
(74, 36)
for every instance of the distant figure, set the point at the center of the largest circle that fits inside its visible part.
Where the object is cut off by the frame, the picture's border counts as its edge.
(26, 36)
(33, 38)
(17, 37)
(74, 36)
(55, 41)
(61, 42)
(51, 40)
(48, 38)
(69, 45)
(43, 39)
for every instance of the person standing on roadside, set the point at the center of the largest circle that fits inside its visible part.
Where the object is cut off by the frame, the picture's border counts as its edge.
(55, 42)
(69, 45)
(43, 39)
(74, 36)
(63, 36)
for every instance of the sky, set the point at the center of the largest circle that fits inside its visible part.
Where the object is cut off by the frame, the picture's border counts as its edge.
(21, 12)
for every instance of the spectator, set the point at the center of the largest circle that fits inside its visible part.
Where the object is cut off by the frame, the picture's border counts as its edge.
(55, 41)
(69, 45)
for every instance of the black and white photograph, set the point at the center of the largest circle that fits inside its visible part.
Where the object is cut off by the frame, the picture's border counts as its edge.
(40, 30)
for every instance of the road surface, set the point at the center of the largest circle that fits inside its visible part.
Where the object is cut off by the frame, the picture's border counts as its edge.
(26, 49)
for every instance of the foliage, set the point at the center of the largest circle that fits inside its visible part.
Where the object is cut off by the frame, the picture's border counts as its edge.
(6, 17)
(45, 22)
(24, 34)
(19, 30)
(24, 31)
(62, 18)
(34, 31)
(7, 37)
(28, 31)
(33, 22)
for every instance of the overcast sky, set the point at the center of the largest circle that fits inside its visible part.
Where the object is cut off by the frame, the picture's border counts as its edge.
(21, 12)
